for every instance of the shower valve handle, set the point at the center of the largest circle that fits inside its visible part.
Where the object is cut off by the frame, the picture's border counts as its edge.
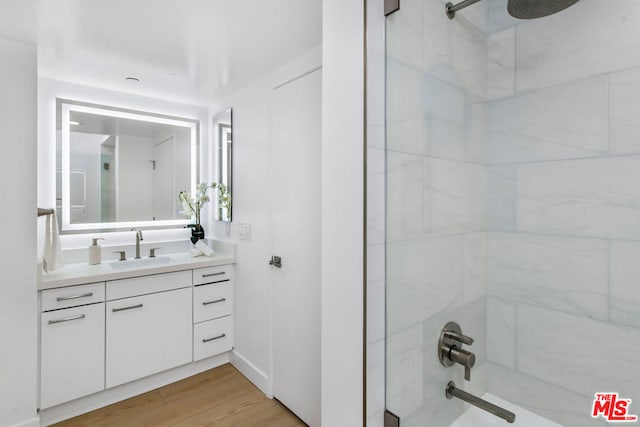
(464, 358)
(462, 339)
(450, 349)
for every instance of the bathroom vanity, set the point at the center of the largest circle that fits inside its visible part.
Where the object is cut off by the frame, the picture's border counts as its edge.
(105, 327)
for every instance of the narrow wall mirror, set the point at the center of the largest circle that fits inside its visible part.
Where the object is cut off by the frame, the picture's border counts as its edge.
(119, 168)
(223, 135)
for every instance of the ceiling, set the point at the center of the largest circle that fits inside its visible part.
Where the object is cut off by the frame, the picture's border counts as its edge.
(194, 51)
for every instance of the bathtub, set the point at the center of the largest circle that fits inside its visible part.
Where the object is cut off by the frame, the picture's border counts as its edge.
(475, 417)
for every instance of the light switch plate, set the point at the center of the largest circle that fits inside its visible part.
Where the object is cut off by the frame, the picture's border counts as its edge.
(244, 231)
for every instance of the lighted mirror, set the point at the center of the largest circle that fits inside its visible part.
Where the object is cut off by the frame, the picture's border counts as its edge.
(223, 135)
(120, 168)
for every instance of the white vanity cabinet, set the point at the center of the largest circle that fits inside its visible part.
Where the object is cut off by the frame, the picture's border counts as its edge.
(148, 332)
(132, 325)
(72, 343)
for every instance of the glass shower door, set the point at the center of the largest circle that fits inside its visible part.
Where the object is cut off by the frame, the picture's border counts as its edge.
(513, 209)
(436, 237)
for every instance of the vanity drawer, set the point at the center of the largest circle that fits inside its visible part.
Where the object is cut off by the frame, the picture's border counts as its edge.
(72, 296)
(220, 273)
(143, 285)
(212, 301)
(212, 337)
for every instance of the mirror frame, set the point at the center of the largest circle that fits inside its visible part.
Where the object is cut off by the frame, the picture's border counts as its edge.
(69, 106)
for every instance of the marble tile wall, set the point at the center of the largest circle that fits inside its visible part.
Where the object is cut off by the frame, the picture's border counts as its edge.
(589, 39)
(563, 208)
(624, 271)
(561, 122)
(560, 273)
(436, 203)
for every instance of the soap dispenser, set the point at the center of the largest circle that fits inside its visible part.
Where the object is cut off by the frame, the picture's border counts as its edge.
(95, 254)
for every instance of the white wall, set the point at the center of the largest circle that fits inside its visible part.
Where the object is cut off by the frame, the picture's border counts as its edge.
(251, 200)
(18, 297)
(342, 237)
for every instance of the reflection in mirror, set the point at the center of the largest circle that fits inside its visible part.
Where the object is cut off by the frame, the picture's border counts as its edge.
(223, 134)
(121, 168)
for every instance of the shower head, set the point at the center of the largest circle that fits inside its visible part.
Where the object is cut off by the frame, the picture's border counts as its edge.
(521, 9)
(531, 9)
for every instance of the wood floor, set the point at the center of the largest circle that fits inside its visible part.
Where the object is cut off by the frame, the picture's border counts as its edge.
(219, 397)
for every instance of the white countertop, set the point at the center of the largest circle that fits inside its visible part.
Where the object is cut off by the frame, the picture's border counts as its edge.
(81, 273)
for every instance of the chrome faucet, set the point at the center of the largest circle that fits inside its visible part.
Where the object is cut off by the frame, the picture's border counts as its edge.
(138, 238)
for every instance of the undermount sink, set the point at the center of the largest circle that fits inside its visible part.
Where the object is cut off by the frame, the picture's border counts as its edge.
(138, 263)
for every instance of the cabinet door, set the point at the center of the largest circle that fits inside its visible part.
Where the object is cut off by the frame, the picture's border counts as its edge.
(72, 354)
(147, 334)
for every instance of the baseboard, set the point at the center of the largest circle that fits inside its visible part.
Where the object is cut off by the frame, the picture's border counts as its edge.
(251, 371)
(116, 394)
(33, 422)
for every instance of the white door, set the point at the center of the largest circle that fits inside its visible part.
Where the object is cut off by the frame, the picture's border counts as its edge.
(295, 178)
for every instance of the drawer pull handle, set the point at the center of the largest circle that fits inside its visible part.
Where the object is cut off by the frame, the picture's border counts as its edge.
(214, 302)
(88, 294)
(217, 281)
(205, 340)
(126, 308)
(214, 274)
(68, 319)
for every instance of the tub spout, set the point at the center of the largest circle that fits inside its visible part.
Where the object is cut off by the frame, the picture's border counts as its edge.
(451, 391)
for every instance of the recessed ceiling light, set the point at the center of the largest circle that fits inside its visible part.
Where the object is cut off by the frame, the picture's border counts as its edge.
(74, 123)
(132, 79)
